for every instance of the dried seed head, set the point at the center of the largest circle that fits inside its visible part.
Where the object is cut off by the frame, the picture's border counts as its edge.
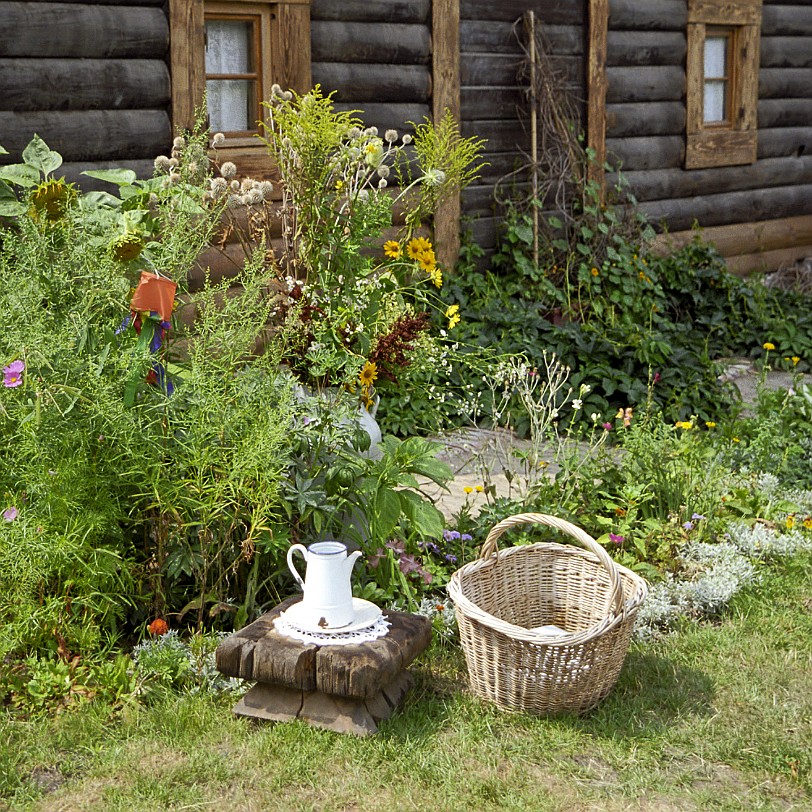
(234, 201)
(266, 187)
(228, 170)
(219, 186)
(162, 163)
(179, 142)
(235, 185)
(407, 139)
(391, 136)
(217, 139)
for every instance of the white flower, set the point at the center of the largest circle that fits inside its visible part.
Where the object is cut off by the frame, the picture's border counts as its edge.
(577, 403)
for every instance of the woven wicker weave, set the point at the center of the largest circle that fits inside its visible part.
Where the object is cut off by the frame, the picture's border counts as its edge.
(507, 594)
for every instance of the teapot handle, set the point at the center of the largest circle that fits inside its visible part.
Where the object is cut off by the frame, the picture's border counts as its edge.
(303, 550)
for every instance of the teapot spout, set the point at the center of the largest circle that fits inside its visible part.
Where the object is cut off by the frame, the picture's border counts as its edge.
(349, 563)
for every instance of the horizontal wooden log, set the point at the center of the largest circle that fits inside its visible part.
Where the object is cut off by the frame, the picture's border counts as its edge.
(678, 183)
(484, 231)
(384, 83)
(745, 238)
(72, 172)
(384, 116)
(389, 11)
(491, 102)
(500, 38)
(652, 15)
(785, 83)
(159, 3)
(90, 135)
(83, 31)
(653, 152)
(645, 118)
(768, 261)
(397, 43)
(639, 84)
(786, 52)
(489, 200)
(550, 12)
(789, 20)
(502, 70)
(94, 84)
(503, 133)
(779, 142)
(785, 112)
(734, 207)
(627, 48)
(501, 164)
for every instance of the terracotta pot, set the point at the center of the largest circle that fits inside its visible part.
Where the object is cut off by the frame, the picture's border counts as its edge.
(155, 294)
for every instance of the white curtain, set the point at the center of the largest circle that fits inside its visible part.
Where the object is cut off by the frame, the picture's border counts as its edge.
(229, 50)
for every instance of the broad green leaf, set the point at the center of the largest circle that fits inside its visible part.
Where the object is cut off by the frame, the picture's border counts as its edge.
(101, 199)
(387, 512)
(436, 470)
(121, 177)
(20, 175)
(425, 518)
(3, 151)
(41, 157)
(12, 209)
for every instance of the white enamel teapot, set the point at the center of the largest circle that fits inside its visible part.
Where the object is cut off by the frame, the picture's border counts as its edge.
(327, 602)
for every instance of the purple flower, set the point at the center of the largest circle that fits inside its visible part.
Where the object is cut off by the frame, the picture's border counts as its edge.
(451, 559)
(13, 374)
(607, 426)
(374, 560)
(451, 535)
(466, 537)
(688, 525)
(698, 517)
(396, 546)
(616, 539)
(408, 563)
(10, 514)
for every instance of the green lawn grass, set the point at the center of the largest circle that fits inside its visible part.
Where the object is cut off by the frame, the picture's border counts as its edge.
(715, 717)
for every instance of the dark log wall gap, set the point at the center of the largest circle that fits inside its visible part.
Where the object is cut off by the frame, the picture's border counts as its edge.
(90, 78)
(493, 99)
(645, 118)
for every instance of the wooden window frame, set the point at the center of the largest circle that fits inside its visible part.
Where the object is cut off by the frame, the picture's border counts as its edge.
(284, 33)
(735, 141)
(261, 72)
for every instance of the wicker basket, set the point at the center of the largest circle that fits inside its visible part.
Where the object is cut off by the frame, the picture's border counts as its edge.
(506, 596)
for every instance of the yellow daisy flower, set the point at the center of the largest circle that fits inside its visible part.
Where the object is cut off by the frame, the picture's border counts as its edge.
(795, 360)
(368, 374)
(710, 424)
(768, 345)
(453, 315)
(595, 272)
(790, 522)
(427, 261)
(436, 276)
(808, 522)
(467, 489)
(392, 249)
(417, 246)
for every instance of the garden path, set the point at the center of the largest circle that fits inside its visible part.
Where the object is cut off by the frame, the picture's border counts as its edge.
(476, 455)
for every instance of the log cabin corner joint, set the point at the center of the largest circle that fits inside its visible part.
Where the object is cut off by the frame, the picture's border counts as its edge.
(234, 51)
(722, 82)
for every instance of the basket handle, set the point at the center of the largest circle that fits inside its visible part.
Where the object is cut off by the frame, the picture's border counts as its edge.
(491, 548)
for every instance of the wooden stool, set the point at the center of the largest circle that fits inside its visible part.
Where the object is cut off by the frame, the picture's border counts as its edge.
(346, 688)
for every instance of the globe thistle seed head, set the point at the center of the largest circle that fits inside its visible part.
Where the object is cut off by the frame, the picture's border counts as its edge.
(266, 187)
(383, 171)
(179, 142)
(234, 201)
(407, 139)
(218, 186)
(162, 163)
(391, 136)
(228, 170)
(235, 185)
(218, 139)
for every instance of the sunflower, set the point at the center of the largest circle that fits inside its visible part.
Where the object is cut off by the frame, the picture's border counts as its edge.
(126, 247)
(51, 199)
(392, 249)
(368, 374)
(418, 246)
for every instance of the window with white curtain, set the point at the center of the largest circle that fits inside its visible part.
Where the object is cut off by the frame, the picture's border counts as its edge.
(233, 86)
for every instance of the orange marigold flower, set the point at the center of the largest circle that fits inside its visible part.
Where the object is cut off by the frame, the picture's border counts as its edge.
(158, 627)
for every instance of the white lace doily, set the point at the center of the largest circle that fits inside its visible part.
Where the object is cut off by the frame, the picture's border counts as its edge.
(373, 632)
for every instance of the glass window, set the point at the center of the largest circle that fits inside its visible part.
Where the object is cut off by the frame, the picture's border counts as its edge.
(716, 85)
(232, 78)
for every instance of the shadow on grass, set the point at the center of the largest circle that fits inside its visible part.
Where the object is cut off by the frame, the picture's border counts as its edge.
(652, 692)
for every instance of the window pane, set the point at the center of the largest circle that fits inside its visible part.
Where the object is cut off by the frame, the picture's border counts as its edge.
(232, 104)
(714, 109)
(229, 46)
(715, 57)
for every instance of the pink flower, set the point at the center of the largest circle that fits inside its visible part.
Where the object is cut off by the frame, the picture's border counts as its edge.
(10, 514)
(616, 539)
(13, 374)
(607, 426)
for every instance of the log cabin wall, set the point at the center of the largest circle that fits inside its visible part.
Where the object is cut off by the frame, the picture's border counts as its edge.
(90, 78)
(493, 97)
(376, 56)
(760, 214)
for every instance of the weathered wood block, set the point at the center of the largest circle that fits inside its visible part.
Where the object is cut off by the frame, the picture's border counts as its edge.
(348, 688)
